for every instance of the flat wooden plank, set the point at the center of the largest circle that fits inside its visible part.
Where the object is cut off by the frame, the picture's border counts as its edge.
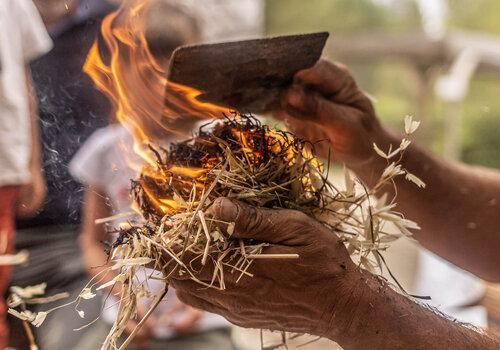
(246, 75)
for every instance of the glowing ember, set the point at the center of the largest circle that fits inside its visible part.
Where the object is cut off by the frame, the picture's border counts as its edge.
(237, 158)
(270, 157)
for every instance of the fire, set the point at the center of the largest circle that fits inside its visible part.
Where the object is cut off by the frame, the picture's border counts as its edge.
(146, 103)
(151, 107)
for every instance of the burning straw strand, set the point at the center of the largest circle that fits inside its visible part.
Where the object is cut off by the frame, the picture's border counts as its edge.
(241, 158)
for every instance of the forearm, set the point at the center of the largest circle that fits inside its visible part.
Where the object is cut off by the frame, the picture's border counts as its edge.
(94, 256)
(373, 316)
(457, 211)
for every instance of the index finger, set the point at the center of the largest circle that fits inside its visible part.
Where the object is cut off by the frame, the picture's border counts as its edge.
(327, 77)
(335, 82)
(275, 226)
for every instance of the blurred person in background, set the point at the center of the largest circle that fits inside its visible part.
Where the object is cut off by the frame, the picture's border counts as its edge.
(23, 38)
(70, 109)
(103, 165)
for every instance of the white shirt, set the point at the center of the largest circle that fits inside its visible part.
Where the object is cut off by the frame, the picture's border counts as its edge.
(23, 38)
(104, 162)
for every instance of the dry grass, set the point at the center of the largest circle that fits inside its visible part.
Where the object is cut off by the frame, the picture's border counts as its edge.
(239, 158)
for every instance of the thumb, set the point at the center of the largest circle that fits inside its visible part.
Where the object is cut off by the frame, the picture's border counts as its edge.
(275, 226)
(298, 99)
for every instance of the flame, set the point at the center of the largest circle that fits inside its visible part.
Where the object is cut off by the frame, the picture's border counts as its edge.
(164, 205)
(146, 103)
(151, 108)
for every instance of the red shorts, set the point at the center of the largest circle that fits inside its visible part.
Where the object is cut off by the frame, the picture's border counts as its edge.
(8, 196)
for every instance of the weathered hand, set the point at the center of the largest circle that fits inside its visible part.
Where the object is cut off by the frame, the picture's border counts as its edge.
(310, 294)
(326, 104)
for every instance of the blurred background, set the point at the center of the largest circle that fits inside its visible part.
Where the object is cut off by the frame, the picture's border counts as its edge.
(438, 60)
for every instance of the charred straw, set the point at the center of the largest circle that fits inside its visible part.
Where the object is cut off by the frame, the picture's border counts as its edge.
(239, 157)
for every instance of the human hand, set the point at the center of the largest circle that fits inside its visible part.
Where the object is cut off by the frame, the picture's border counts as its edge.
(31, 195)
(314, 294)
(144, 334)
(188, 321)
(325, 103)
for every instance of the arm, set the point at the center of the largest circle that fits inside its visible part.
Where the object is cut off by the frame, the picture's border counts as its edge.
(458, 210)
(323, 293)
(94, 256)
(32, 195)
(388, 320)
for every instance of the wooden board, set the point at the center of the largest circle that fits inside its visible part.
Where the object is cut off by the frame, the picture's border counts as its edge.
(246, 75)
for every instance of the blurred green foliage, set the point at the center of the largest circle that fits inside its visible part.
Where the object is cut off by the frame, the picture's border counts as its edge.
(394, 84)
(481, 122)
(337, 16)
(478, 15)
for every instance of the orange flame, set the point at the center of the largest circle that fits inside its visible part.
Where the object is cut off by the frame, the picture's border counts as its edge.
(146, 103)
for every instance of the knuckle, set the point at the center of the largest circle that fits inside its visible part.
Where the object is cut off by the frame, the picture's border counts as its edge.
(342, 69)
(315, 103)
(323, 109)
(252, 218)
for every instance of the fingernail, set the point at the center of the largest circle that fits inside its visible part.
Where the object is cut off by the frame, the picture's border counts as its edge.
(226, 209)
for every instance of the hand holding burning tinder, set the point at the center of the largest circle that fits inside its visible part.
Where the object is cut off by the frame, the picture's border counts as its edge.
(293, 229)
(295, 295)
(214, 249)
(325, 103)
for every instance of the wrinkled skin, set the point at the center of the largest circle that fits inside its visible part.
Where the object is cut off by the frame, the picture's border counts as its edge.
(312, 294)
(283, 294)
(323, 292)
(326, 104)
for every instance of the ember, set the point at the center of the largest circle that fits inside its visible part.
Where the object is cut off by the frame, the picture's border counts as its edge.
(241, 158)
(235, 157)
(265, 167)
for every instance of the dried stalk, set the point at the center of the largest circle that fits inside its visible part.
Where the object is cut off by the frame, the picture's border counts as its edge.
(242, 159)
(29, 334)
(153, 307)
